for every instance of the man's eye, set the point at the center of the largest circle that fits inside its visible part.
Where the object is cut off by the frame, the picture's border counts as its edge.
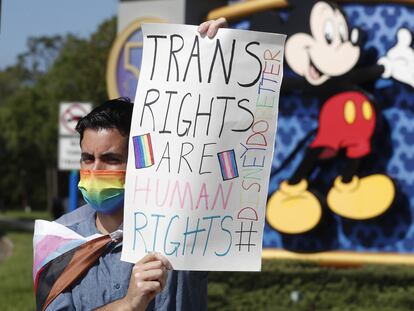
(113, 160)
(87, 159)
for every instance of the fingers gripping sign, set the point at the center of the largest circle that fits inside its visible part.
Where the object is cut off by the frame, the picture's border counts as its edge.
(148, 278)
(399, 61)
(212, 26)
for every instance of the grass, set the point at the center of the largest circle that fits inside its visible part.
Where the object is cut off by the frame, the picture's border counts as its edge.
(16, 286)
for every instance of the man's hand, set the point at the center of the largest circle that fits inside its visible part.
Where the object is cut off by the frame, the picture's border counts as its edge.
(148, 278)
(211, 27)
(399, 61)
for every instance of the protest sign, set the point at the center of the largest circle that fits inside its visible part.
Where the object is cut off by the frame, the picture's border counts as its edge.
(201, 147)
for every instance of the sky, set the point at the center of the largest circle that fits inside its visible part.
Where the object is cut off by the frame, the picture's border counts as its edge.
(22, 19)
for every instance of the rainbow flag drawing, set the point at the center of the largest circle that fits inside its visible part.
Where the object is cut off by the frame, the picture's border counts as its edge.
(143, 151)
(228, 164)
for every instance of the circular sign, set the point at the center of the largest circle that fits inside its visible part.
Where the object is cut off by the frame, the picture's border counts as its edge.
(124, 63)
(70, 115)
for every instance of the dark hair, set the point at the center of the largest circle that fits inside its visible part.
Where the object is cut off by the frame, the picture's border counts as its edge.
(114, 113)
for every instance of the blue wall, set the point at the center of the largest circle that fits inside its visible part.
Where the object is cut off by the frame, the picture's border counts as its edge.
(393, 149)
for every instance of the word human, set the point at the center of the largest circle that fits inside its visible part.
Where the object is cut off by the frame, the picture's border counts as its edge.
(181, 194)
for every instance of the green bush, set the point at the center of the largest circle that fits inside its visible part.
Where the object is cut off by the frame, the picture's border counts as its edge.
(317, 288)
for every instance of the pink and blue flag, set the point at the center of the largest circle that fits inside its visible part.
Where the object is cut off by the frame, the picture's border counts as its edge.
(51, 240)
(143, 151)
(228, 164)
(62, 256)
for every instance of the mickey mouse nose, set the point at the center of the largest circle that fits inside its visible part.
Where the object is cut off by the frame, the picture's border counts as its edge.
(355, 36)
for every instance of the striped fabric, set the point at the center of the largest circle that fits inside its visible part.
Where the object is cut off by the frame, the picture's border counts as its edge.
(51, 240)
(60, 273)
(101, 187)
(228, 165)
(143, 151)
(60, 258)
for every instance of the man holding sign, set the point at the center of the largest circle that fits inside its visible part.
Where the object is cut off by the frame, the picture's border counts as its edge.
(178, 201)
(108, 283)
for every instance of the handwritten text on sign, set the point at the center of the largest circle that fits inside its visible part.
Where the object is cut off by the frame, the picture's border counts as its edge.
(201, 147)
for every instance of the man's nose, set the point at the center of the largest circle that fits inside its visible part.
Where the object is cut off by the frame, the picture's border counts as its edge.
(97, 165)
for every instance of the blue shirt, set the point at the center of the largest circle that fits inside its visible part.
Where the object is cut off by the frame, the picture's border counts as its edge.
(108, 279)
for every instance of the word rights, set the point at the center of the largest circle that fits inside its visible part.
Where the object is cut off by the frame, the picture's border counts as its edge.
(201, 147)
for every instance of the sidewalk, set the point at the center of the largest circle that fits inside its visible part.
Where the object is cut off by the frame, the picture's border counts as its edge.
(6, 248)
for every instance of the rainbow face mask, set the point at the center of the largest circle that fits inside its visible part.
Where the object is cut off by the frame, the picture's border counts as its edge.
(103, 189)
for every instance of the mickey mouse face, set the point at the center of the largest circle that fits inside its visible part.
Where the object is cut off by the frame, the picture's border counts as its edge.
(327, 51)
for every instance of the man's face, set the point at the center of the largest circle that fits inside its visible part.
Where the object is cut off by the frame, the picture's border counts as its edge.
(104, 150)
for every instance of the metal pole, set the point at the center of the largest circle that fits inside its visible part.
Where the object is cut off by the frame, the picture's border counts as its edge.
(73, 190)
(0, 14)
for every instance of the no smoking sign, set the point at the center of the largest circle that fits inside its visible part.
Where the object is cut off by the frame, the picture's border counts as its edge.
(69, 115)
(69, 149)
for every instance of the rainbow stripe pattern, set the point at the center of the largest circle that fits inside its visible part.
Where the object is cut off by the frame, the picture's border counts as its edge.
(143, 151)
(102, 187)
(228, 164)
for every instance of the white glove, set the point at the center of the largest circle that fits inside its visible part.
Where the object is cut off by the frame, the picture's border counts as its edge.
(399, 61)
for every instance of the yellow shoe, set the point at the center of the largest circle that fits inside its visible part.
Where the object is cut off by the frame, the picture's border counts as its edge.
(362, 198)
(293, 209)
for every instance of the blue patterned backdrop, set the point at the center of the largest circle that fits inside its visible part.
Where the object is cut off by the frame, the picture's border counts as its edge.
(393, 151)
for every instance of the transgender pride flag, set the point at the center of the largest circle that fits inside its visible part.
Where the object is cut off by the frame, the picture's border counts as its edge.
(143, 151)
(51, 240)
(228, 164)
(61, 257)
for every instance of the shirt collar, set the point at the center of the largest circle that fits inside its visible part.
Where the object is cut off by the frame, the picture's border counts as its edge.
(91, 229)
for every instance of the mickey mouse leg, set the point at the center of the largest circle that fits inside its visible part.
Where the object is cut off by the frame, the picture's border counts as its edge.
(292, 208)
(307, 165)
(360, 198)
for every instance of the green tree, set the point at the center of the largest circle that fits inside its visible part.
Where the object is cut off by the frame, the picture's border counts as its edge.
(54, 69)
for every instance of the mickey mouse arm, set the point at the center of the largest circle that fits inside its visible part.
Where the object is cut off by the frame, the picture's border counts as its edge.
(399, 60)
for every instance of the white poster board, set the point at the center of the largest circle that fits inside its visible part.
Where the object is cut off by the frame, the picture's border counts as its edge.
(69, 151)
(201, 147)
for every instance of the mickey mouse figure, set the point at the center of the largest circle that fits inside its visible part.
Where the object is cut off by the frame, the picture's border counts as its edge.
(322, 51)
